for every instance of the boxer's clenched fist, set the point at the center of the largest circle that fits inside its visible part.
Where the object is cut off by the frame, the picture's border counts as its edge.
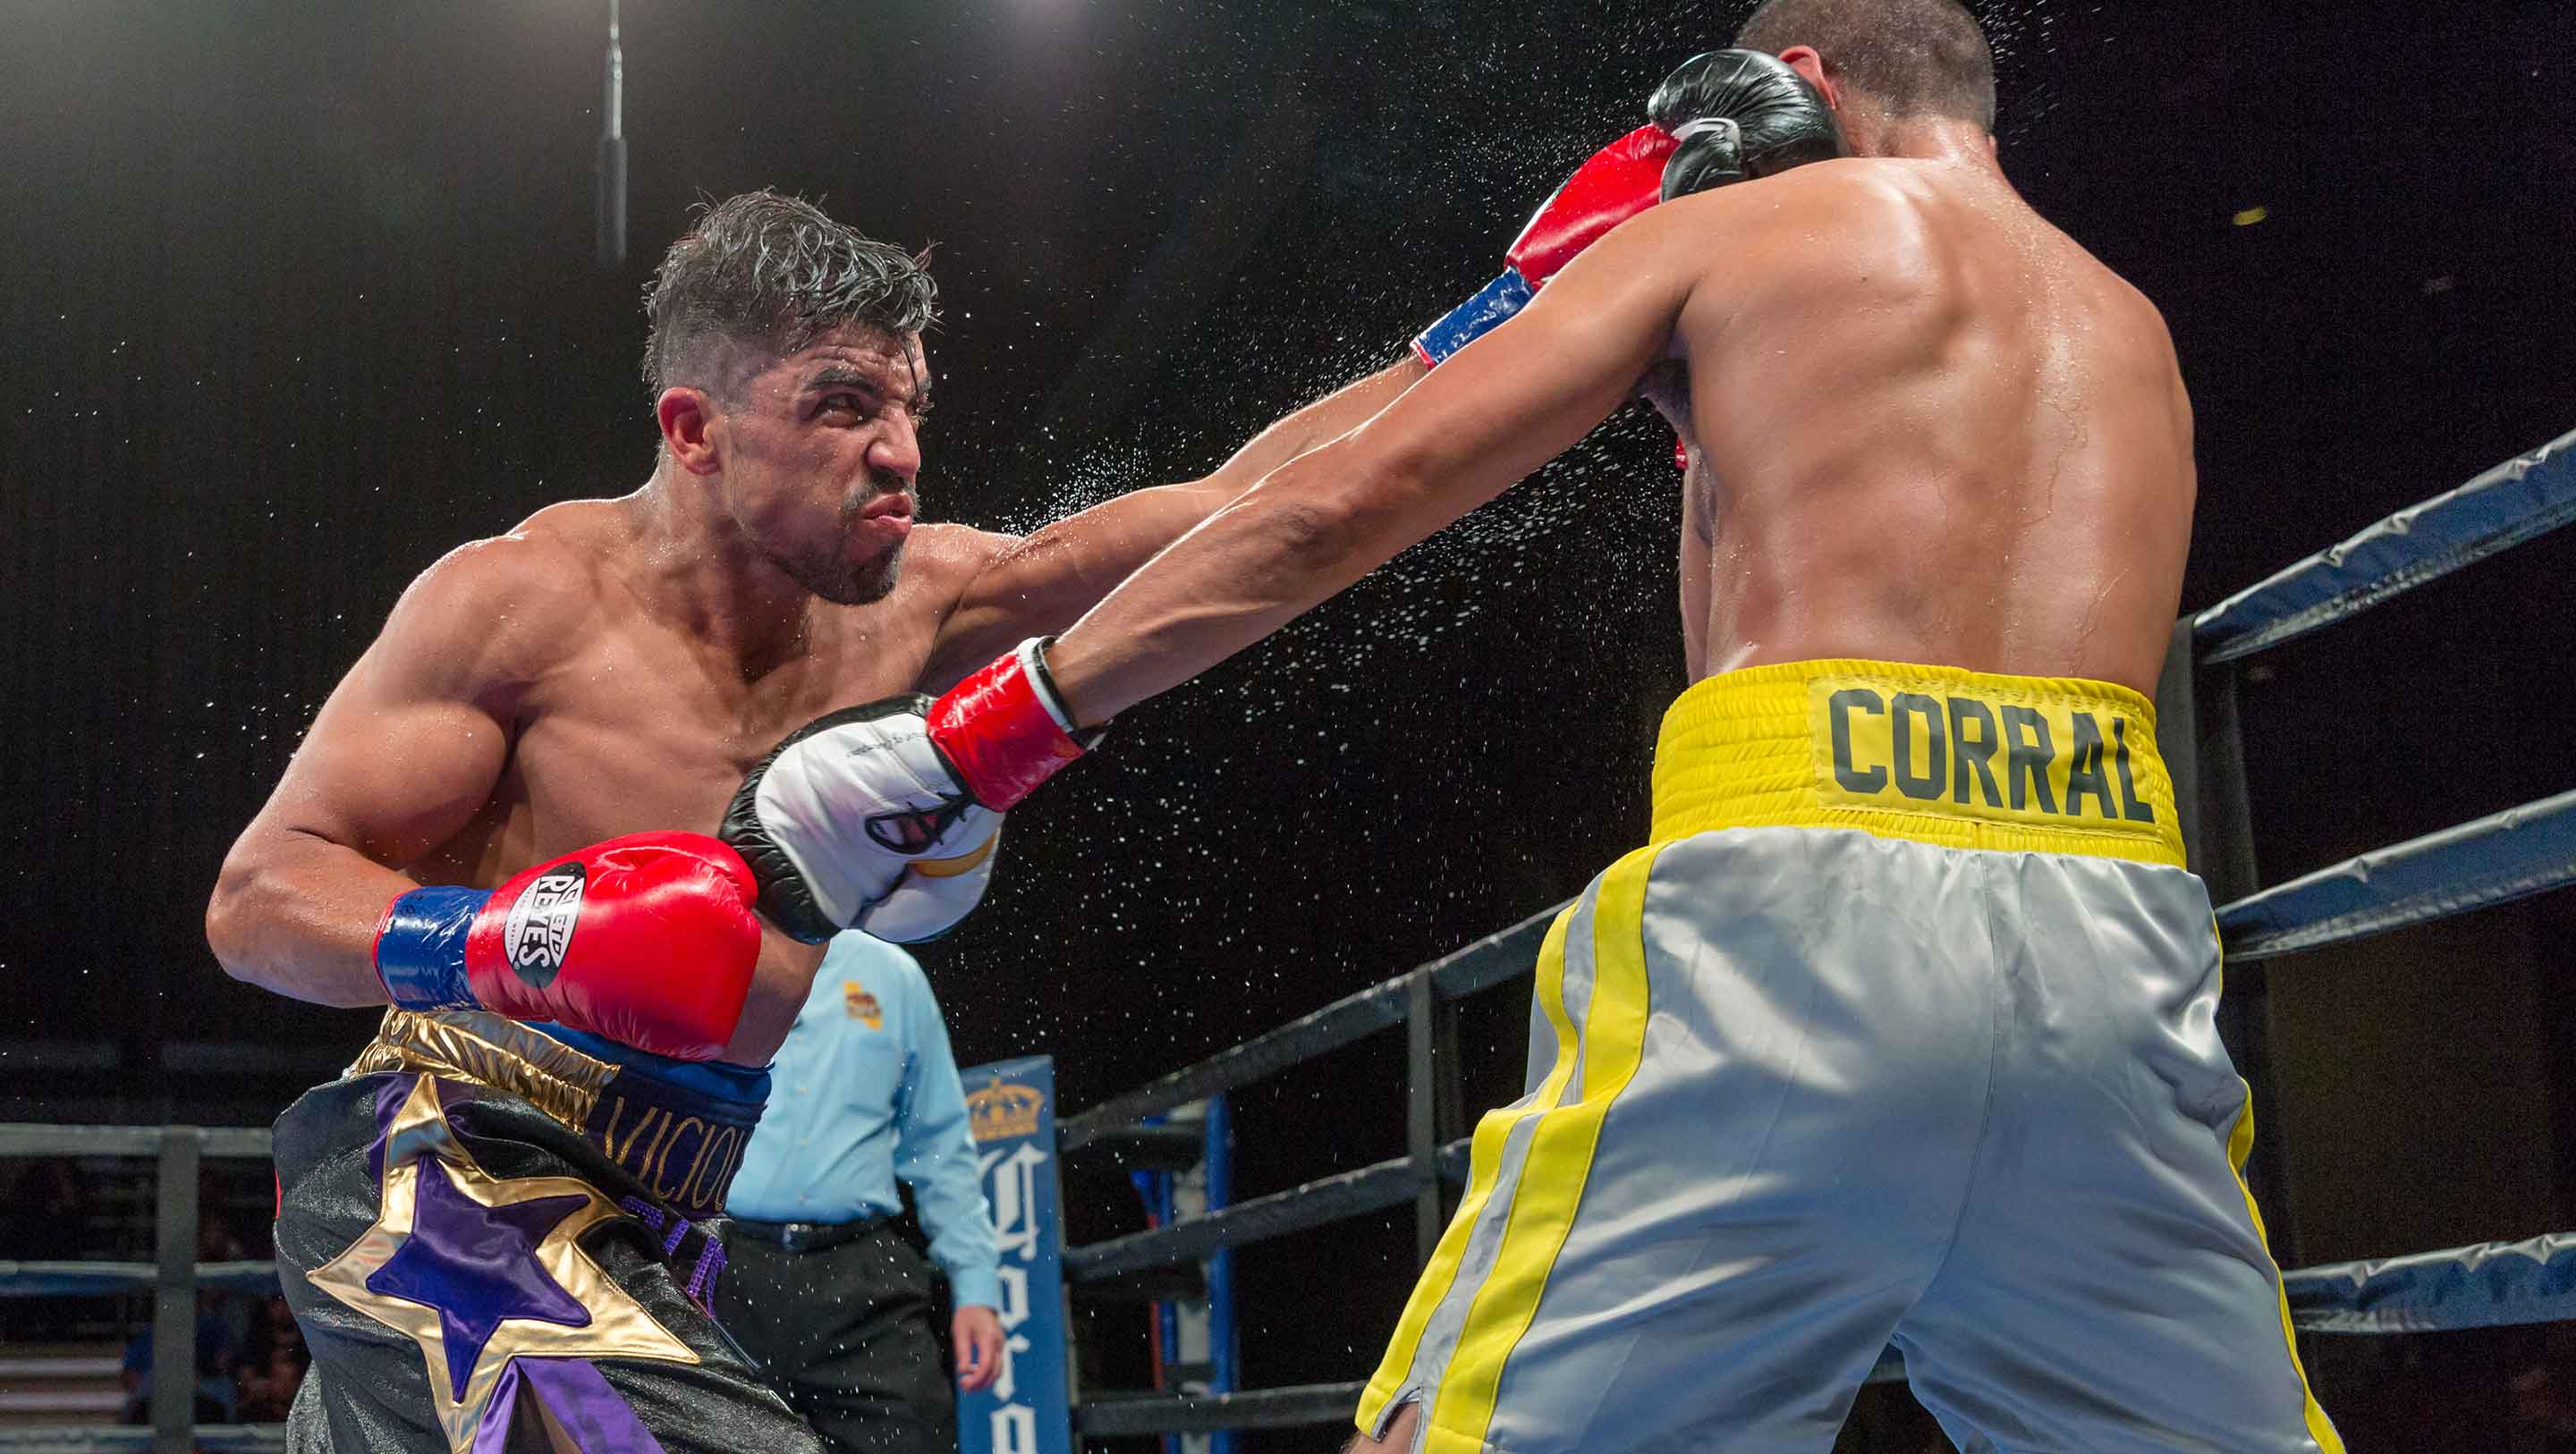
(884, 817)
(647, 939)
(1613, 184)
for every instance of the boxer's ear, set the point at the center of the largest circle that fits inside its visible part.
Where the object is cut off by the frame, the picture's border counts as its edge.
(1805, 60)
(686, 416)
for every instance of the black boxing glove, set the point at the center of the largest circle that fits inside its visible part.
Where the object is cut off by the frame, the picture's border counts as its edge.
(1740, 114)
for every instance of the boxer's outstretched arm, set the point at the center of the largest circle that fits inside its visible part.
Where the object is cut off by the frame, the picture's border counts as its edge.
(409, 746)
(1040, 583)
(1501, 408)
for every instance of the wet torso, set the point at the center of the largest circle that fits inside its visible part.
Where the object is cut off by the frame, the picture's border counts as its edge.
(641, 724)
(1938, 431)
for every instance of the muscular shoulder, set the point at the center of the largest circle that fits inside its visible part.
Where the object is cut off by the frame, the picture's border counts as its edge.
(1853, 218)
(495, 614)
(946, 556)
(1829, 222)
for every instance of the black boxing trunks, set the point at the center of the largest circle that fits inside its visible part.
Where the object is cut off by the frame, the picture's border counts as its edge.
(494, 1237)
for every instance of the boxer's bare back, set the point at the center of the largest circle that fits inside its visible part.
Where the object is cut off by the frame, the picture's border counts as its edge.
(1938, 430)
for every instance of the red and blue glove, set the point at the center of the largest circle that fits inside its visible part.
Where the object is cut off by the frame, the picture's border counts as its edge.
(1616, 183)
(649, 940)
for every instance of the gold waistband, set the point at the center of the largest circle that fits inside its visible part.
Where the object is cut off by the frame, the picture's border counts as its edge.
(1930, 753)
(489, 1050)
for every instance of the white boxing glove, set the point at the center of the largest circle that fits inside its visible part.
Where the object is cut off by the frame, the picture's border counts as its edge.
(884, 817)
(855, 821)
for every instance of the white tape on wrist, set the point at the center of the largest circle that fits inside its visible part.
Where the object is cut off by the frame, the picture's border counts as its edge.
(1032, 654)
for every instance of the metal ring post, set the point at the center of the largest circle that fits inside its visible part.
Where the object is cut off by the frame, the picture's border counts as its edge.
(174, 1298)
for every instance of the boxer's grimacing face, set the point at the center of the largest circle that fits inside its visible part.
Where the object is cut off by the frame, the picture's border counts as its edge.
(820, 451)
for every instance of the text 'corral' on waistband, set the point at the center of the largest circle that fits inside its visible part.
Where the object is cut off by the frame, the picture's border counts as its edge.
(1934, 754)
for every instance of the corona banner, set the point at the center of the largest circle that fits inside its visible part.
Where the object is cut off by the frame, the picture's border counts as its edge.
(1010, 1105)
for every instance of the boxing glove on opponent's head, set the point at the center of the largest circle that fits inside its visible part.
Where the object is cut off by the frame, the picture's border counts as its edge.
(1739, 114)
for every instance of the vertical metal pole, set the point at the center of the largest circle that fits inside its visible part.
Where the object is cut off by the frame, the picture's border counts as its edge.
(1449, 1107)
(2227, 817)
(1421, 1113)
(2200, 734)
(2245, 1013)
(174, 1297)
(612, 153)
(2178, 740)
(1217, 1162)
(1167, 1314)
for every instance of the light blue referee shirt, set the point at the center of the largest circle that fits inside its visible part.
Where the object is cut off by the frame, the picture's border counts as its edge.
(865, 1091)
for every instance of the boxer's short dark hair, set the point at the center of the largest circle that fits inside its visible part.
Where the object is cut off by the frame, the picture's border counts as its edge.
(1915, 57)
(763, 275)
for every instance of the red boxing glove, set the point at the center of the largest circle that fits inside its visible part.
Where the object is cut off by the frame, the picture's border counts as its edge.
(1614, 184)
(648, 939)
(1004, 730)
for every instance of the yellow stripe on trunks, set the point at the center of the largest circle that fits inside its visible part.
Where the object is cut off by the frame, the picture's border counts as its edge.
(1485, 1167)
(2240, 1144)
(1934, 754)
(1558, 1164)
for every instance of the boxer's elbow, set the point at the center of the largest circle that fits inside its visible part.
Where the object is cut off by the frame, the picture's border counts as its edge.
(1351, 497)
(232, 915)
(251, 916)
(1309, 536)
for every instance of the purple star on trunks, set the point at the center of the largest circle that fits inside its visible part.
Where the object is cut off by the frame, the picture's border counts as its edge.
(477, 1266)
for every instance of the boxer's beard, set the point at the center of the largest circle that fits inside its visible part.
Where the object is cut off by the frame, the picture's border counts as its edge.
(829, 572)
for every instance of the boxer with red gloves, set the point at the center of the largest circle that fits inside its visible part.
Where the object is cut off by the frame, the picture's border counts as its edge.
(577, 1035)
(1942, 454)
(606, 674)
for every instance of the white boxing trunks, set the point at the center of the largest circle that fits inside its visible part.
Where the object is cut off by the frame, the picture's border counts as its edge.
(1900, 1030)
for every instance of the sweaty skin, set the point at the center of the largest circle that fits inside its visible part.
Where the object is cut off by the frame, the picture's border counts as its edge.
(1961, 441)
(614, 666)
(1924, 426)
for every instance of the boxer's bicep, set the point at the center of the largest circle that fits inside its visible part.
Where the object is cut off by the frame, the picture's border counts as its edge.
(406, 750)
(395, 764)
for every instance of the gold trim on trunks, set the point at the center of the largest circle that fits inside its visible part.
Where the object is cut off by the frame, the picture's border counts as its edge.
(485, 1048)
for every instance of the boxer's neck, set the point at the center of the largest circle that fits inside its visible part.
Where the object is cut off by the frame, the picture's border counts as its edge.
(1931, 139)
(695, 566)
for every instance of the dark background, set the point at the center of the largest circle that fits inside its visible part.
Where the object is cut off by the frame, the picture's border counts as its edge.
(298, 297)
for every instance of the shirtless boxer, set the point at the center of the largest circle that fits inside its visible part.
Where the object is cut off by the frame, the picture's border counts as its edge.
(486, 1208)
(1900, 1028)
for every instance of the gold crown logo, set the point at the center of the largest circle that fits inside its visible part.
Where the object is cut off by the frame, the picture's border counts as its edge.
(1004, 1108)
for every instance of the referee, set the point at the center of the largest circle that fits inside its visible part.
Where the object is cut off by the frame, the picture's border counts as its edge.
(819, 1287)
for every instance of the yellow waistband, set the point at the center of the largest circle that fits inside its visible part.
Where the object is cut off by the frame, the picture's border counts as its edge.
(1930, 753)
(489, 1050)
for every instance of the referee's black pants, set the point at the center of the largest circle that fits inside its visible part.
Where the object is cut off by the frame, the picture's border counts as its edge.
(845, 1333)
